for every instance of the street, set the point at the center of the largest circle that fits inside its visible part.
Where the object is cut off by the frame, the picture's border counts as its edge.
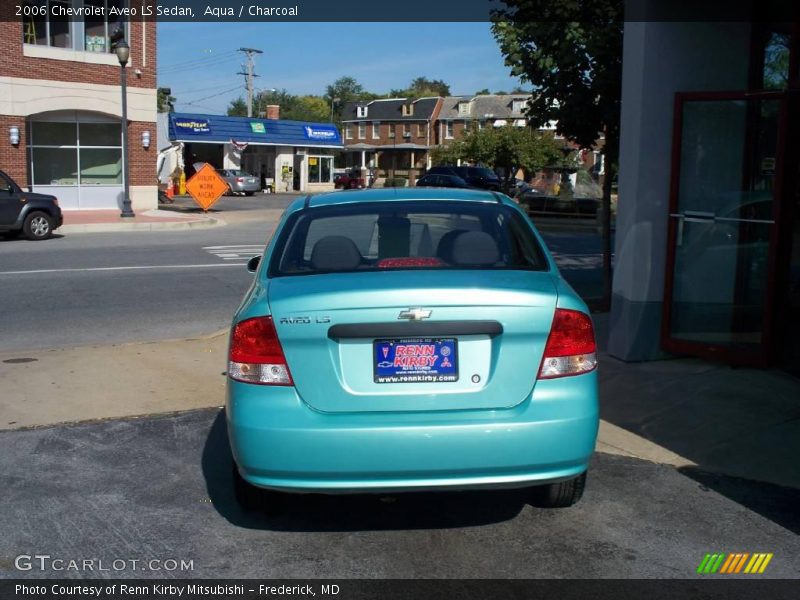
(159, 488)
(105, 288)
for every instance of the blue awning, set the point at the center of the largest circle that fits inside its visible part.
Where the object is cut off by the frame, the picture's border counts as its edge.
(185, 127)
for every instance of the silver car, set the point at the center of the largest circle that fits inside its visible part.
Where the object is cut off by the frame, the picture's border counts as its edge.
(240, 182)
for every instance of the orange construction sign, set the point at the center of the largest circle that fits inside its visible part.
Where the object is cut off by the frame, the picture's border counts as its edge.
(206, 186)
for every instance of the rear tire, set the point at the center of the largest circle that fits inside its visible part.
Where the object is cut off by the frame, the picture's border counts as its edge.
(38, 226)
(559, 495)
(255, 499)
(249, 193)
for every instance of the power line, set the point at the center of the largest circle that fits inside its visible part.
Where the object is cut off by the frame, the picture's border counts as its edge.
(195, 101)
(204, 59)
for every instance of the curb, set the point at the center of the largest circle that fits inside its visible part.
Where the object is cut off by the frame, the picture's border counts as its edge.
(204, 223)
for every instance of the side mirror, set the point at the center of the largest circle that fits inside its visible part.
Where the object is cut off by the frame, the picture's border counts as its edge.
(252, 264)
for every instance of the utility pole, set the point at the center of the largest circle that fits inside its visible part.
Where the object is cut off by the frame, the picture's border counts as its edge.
(249, 75)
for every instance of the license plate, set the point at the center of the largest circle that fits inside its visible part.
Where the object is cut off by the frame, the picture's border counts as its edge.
(415, 360)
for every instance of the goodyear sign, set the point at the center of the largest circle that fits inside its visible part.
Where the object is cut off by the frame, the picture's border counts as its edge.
(193, 125)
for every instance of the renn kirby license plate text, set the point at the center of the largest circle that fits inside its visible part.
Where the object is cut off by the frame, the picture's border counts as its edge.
(416, 360)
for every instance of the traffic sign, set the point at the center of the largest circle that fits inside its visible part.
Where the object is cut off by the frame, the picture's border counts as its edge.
(206, 186)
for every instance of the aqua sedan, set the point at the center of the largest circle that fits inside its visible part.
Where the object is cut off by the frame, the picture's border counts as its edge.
(410, 339)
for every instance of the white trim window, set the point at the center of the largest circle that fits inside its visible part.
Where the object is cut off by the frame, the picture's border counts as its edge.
(362, 131)
(320, 168)
(420, 129)
(75, 153)
(348, 131)
(463, 109)
(44, 25)
(392, 127)
(376, 130)
(518, 106)
(406, 130)
(448, 130)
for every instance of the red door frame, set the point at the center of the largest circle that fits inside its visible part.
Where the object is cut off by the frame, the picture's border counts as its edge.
(762, 356)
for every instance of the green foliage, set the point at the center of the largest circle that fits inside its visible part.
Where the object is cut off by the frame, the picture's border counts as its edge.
(421, 87)
(571, 52)
(448, 154)
(297, 108)
(237, 108)
(343, 90)
(483, 92)
(509, 148)
(166, 101)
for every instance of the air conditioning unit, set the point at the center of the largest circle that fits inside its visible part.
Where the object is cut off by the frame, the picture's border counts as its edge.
(407, 135)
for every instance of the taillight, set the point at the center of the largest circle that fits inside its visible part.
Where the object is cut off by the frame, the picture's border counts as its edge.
(571, 348)
(240, 179)
(256, 355)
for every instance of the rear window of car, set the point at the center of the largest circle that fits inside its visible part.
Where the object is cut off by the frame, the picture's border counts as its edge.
(405, 235)
(481, 172)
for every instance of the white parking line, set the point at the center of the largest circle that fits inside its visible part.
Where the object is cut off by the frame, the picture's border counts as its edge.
(131, 268)
(236, 251)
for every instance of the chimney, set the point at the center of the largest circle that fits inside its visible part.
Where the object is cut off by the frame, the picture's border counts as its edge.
(273, 111)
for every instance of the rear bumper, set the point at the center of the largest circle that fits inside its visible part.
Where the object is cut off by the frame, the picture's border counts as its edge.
(279, 442)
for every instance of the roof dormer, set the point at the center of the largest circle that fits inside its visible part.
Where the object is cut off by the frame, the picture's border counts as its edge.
(464, 108)
(518, 105)
(361, 111)
(408, 109)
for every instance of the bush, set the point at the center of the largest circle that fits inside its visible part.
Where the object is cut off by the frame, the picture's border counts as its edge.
(395, 182)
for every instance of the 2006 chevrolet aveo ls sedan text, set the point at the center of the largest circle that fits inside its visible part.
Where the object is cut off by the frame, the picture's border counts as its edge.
(407, 340)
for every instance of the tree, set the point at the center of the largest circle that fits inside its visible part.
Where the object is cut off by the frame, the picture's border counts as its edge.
(483, 92)
(421, 87)
(571, 53)
(506, 148)
(166, 101)
(343, 90)
(237, 108)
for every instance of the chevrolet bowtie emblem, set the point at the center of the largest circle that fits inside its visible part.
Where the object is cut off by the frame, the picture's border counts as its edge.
(414, 314)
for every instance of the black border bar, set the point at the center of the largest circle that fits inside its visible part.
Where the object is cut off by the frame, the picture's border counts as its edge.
(414, 329)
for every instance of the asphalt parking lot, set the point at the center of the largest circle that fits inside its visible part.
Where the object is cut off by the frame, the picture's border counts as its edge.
(159, 488)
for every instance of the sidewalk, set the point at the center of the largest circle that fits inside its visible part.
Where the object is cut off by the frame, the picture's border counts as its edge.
(696, 416)
(93, 221)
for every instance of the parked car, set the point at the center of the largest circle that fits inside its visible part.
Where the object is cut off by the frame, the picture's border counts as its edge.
(349, 180)
(34, 215)
(409, 339)
(479, 177)
(240, 182)
(451, 181)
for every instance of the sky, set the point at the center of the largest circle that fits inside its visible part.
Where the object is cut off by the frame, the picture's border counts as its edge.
(199, 60)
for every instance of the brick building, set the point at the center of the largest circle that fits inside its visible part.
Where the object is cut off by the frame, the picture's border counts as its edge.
(60, 90)
(392, 135)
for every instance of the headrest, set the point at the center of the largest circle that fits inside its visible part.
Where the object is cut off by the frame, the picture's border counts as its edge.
(475, 248)
(335, 253)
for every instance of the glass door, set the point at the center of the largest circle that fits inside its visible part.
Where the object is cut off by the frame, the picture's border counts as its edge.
(722, 225)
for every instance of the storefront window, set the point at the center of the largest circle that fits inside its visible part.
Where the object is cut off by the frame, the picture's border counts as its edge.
(76, 153)
(45, 23)
(101, 166)
(320, 169)
(55, 166)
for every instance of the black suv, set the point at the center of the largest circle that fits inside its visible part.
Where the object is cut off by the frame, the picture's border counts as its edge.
(479, 177)
(35, 215)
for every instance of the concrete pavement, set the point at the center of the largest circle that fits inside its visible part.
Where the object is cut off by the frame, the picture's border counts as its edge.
(160, 488)
(685, 413)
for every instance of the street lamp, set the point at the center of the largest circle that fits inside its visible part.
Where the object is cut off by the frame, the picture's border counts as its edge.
(123, 52)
